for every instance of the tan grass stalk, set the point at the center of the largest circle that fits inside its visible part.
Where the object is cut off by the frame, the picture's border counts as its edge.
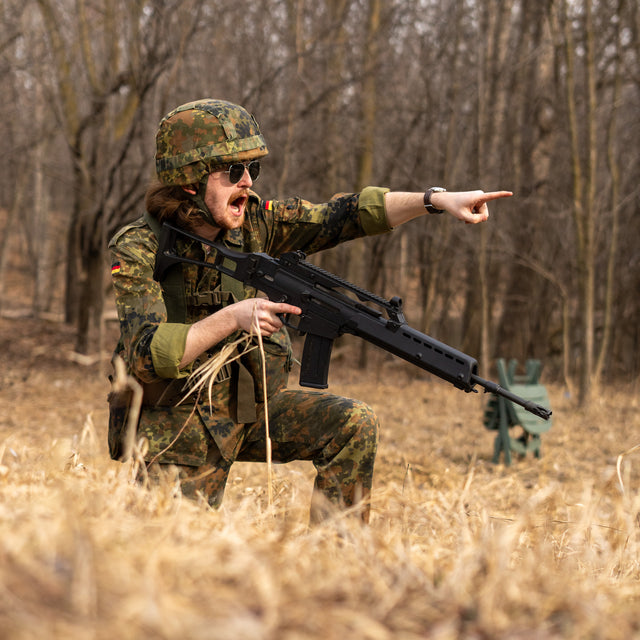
(133, 451)
(256, 326)
(205, 375)
(121, 383)
(619, 464)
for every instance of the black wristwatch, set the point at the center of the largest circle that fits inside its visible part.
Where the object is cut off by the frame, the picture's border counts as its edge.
(427, 199)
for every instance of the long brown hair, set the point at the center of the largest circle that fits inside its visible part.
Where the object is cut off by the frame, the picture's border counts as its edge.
(169, 203)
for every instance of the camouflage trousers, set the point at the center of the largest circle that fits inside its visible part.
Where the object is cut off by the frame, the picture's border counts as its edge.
(339, 435)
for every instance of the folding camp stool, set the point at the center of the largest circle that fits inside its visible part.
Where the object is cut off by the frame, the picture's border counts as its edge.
(502, 414)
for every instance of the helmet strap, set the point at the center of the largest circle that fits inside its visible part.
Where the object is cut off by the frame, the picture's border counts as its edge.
(198, 199)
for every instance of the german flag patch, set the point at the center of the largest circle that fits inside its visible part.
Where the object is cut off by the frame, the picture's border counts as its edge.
(268, 205)
(115, 268)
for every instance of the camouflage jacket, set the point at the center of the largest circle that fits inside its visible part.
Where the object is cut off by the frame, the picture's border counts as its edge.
(152, 342)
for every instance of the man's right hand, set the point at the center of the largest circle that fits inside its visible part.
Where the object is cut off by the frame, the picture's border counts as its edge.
(246, 315)
(260, 313)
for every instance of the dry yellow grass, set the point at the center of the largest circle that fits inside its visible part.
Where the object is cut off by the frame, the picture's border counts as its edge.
(457, 548)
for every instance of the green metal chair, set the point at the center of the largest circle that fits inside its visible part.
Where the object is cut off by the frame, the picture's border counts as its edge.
(501, 414)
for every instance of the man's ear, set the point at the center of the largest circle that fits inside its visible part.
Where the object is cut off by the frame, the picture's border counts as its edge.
(190, 188)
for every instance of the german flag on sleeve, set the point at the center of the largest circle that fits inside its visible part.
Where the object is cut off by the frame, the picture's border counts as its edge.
(115, 268)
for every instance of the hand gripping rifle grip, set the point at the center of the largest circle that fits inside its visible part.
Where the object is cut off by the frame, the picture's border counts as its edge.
(316, 356)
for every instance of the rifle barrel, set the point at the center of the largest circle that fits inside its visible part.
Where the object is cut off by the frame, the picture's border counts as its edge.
(495, 388)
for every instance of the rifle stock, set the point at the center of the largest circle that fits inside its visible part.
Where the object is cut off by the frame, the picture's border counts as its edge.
(332, 307)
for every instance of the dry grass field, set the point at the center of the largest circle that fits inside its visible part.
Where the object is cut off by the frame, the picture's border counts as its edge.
(457, 548)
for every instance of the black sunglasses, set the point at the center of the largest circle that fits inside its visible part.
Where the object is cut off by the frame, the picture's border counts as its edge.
(236, 171)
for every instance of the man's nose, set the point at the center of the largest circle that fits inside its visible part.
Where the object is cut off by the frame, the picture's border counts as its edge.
(246, 179)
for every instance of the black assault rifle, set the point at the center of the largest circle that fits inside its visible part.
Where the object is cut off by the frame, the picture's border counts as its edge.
(332, 307)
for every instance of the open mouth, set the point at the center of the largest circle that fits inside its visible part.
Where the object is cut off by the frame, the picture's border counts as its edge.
(237, 205)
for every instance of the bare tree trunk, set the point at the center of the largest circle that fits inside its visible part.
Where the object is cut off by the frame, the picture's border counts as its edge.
(10, 225)
(339, 259)
(433, 241)
(41, 237)
(89, 321)
(583, 192)
(369, 96)
(295, 15)
(492, 25)
(614, 170)
(521, 332)
(42, 234)
(376, 257)
(99, 94)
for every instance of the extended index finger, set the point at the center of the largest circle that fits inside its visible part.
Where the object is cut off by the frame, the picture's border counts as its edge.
(494, 195)
(283, 307)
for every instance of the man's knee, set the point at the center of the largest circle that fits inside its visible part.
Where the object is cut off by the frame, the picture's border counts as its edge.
(363, 422)
(354, 434)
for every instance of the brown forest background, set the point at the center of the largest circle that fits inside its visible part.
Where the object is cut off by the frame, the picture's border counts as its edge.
(538, 96)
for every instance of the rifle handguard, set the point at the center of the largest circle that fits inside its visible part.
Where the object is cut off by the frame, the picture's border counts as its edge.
(332, 307)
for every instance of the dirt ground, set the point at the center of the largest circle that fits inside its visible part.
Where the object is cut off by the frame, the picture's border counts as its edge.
(430, 430)
(458, 547)
(44, 392)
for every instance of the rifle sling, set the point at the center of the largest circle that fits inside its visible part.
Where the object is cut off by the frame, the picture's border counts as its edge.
(174, 294)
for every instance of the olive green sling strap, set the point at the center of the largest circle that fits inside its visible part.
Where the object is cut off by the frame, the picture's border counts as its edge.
(175, 299)
(172, 282)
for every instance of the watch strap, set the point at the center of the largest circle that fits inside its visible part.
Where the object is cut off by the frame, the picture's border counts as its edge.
(427, 199)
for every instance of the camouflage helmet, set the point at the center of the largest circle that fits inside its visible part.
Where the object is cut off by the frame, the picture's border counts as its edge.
(198, 135)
